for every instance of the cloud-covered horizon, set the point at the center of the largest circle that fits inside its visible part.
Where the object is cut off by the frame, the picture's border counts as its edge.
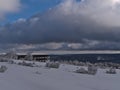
(86, 24)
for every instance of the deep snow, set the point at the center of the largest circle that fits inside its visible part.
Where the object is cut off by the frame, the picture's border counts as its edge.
(41, 78)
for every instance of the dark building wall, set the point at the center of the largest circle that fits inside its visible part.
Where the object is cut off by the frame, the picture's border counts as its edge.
(41, 58)
(21, 57)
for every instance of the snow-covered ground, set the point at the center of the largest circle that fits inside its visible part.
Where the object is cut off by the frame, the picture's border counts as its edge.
(41, 78)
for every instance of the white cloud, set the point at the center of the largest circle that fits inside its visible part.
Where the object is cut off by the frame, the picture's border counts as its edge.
(9, 6)
(75, 45)
(104, 12)
(20, 20)
(52, 45)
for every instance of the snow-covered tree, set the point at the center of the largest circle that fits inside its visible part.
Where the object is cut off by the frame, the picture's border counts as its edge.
(24, 63)
(29, 56)
(111, 71)
(81, 70)
(52, 64)
(76, 62)
(3, 69)
(92, 69)
(11, 55)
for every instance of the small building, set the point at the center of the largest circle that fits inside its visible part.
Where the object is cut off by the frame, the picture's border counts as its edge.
(33, 56)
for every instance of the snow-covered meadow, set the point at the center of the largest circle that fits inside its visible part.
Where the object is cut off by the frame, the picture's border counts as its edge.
(18, 77)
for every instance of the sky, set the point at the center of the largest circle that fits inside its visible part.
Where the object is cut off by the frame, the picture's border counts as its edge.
(28, 8)
(60, 24)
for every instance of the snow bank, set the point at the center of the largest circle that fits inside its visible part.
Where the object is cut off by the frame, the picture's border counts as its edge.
(19, 77)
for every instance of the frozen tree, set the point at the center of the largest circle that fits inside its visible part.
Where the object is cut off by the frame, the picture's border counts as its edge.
(52, 64)
(29, 56)
(81, 70)
(111, 71)
(76, 62)
(11, 55)
(92, 69)
(24, 63)
(3, 69)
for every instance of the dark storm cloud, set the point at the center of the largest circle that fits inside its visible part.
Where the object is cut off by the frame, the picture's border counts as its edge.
(64, 23)
(51, 28)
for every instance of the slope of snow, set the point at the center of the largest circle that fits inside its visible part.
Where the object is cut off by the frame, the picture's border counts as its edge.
(41, 78)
